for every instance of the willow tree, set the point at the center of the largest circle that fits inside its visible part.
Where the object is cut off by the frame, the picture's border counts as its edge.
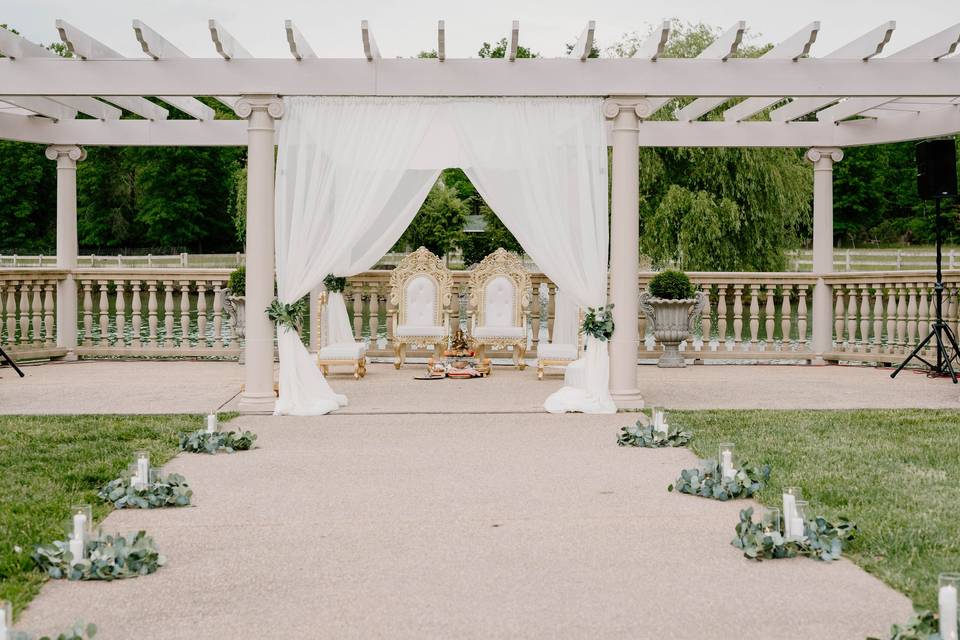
(718, 209)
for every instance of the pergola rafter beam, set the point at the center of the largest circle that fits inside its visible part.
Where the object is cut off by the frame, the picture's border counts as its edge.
(42, 106)
(226, 45)
(370, 48)
(90, 106)
(441, 41)
(652, 48)
(584, 44)
(299, 47)
(793, 48)
(513, 42)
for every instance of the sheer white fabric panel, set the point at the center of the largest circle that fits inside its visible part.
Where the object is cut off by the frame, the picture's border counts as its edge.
(565, 316)
(541, 164)
(336, 320)
(344, 194)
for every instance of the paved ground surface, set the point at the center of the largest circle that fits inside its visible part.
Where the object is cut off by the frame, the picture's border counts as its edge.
(200, 387)
(433, 526)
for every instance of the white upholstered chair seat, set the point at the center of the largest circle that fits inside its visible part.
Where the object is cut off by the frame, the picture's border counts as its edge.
(499, 332)
(415, 331)
(550, 351)
(343, 351)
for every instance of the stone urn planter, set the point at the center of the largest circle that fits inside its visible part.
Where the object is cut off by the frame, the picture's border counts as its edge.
(236, 311)
(672, 314)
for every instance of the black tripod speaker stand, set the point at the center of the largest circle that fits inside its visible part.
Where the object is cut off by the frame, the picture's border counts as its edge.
(940, 332)
(5, 358)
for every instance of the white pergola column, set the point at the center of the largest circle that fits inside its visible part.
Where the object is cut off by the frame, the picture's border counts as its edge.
(260, 111)
(823, 160)
(625, 247)
(67, 157)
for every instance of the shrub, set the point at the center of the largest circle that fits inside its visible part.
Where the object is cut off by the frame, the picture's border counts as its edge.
(671, 284)
(237, 282)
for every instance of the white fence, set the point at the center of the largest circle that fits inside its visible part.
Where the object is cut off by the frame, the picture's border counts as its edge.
(879, 259)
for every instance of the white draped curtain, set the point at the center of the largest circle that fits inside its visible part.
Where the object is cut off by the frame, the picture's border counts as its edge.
(346, 192)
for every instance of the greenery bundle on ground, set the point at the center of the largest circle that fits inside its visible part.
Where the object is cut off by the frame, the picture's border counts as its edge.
(922, 625)
(895, 472)
(641, 435)
(335, 284)
(53, 462)
(822, 539)
(109, 557)
(708, 481)
(172, 491)
(671, 284)
(203, 441)
(598, 322)
(78, 631)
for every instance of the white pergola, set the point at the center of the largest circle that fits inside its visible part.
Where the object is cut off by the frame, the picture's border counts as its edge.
(786, 98)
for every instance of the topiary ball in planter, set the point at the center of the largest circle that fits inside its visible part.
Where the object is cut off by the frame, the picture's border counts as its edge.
(237, 282)
(672, 304)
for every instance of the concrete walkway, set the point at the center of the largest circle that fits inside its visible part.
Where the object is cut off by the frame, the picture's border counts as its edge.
(200, 387)
(457, 526)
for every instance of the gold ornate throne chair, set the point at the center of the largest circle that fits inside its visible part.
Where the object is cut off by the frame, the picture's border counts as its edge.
(499, 298)
(420, 291)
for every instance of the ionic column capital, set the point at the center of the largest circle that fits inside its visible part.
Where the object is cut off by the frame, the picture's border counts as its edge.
(66, 155)
(269, 104)
(823, 158)
(627, 113)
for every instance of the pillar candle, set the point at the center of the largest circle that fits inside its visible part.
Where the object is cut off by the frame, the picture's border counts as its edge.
(947, 599)
(789, 513)
(211, 423)
(143, 470)
(77, 548)
(726, 464)
(79, 526)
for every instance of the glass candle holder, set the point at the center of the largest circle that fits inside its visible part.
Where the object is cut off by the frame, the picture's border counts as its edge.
(770, 520)
(81, 522)
(726, 457)
(948, 584)
(798, 524)
(656, 417)
(664, 422)
(155, 474)
(790, 497)
(6, 619)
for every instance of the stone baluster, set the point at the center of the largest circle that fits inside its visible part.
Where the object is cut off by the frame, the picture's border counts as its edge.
(769, 317)
(36, 315)
(923, 308)
(877, 346)
(217, 313)
(911, 316)
(357, 312)
(901, 318)
(552, 311)
(721, 316)
(87, 312)
(120, 313)
(737, 315)
(852, 318)
(864, 345)
(932, 313)
(754, 316)
(136, 314)
(12, 312)
(184, 313)
(802, 342)
(952, 314)
(104, 307)
(786, 320)
(374, 314)
(535, 316)
(168, 313)
(153, 338)
(891, 346)
(202, 314)
(838, 322)
(25, 312)
(49, 313)
(706, 320)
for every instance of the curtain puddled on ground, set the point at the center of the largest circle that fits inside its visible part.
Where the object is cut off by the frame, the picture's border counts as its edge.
(346, 190)
(541, 165)
(344, 194)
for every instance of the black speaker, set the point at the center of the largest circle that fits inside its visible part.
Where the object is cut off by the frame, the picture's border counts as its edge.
(936, 168)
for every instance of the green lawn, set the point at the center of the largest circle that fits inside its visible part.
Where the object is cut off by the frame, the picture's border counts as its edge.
(52, 462)
(896, 473)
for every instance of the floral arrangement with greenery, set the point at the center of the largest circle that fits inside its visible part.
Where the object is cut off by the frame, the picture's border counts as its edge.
(671, 284)
(598, 322)
(334, 283)
(172, 491)
(708, 481)
(822, 539)
(289, 315)
(108, 558)
(79, 631)
(641, 435)
(237, 282)
(922, 625)
(203, 441)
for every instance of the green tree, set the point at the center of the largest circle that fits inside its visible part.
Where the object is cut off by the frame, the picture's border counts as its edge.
(106, 198)
(28, 199)
(477, 246)
(499, 50)
(439, 223)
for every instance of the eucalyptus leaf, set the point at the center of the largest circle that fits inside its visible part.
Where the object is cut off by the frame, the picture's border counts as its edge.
(640, 435)
(708, 481)
(109, 557)
(203, 441)
(172, 491)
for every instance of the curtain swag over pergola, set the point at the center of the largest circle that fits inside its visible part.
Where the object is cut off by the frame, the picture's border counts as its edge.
(856, 95)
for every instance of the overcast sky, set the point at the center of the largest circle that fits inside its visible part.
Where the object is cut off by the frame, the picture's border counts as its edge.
(404, 27)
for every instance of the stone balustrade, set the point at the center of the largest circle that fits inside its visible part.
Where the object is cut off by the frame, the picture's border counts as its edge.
(878, 316)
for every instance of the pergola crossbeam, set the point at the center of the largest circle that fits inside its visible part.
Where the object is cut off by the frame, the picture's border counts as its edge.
(584, 44)
(370, 48)
(299, 47)
(441, 41)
